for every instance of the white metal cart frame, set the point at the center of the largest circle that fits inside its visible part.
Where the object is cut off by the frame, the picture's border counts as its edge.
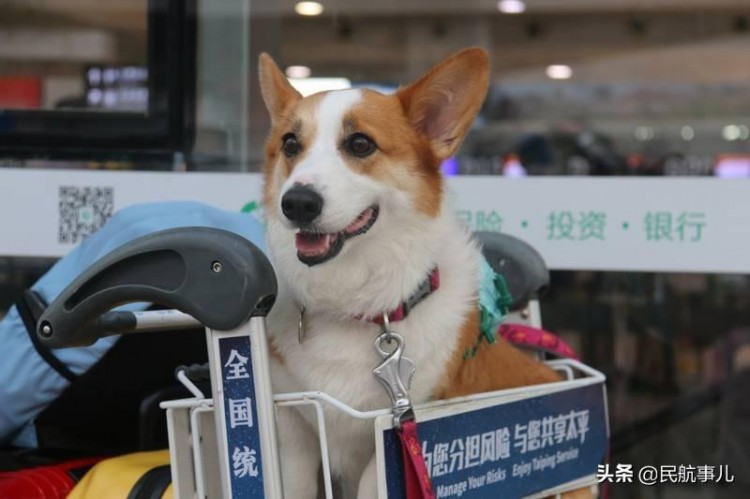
(226, 445)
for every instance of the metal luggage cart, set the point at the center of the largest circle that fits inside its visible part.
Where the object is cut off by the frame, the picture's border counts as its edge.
(533, 441)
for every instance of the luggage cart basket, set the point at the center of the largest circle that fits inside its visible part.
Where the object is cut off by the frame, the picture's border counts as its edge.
(533, 441)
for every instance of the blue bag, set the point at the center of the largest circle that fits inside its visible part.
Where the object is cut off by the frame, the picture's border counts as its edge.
(31, 379)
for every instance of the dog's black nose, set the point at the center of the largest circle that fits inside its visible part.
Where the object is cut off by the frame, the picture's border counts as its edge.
(301, 204)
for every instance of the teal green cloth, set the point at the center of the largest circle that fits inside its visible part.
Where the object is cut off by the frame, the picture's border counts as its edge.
(494, 300)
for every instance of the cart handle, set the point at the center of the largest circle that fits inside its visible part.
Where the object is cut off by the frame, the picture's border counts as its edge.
(216, 276)
(522, 267)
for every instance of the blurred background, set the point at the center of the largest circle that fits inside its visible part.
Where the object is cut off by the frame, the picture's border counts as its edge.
(579, 88)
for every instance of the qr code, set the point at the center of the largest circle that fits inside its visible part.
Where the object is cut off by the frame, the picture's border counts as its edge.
(83, 210)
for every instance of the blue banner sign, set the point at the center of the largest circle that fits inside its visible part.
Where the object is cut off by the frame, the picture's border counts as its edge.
(241, 418)
(510, 450)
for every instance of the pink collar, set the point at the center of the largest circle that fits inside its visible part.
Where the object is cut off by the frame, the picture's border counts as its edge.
(518, 334)
(536, 339)
(425, 289)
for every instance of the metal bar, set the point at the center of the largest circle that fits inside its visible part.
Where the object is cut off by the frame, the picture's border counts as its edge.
(187, 403)
(590, 372)
(180, 454)
(325, 459)
(592, 377)
(324, 397)
(125, 322)
(209, 454)
(200, 486)
(187, 383)
(535, 313)
(239, 363)
(266, 409)
(566, 369)
(159, 320)
(217, 389)
(322, 438)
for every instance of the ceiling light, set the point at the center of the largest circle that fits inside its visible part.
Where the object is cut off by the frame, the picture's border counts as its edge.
(744, 132)
(309, 8)
(511, 6)
(731, 132)
(644, 133)
(687, 133)
(559, 72)
(298, 72)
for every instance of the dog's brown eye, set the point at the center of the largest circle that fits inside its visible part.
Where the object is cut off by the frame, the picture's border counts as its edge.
(360, 145)
(290, 145)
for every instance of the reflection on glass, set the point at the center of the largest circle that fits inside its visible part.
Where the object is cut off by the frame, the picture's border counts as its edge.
(122, 88)
(74, 55)
(578, 88)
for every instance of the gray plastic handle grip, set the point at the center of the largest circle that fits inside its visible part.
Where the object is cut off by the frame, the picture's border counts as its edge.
(521, 266)
(218, 277)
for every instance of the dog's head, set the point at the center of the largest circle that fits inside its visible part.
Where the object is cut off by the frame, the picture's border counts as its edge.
(343, 166)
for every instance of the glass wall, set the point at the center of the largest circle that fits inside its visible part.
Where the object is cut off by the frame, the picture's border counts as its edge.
(73, 55)
(579, 88)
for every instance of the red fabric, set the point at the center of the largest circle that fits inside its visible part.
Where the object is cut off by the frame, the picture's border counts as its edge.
(418, 484)
(537, 339)
(435, 280)
(43, 482)
(403, 309)
(397, 315)
(20, 93)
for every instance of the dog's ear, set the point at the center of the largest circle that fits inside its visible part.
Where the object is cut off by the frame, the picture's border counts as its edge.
(277, 92)
(444, 102)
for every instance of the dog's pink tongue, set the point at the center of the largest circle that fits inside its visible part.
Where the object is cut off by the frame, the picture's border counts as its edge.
(310, 244)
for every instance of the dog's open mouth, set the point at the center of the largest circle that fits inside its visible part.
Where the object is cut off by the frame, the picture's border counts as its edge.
(314, 247)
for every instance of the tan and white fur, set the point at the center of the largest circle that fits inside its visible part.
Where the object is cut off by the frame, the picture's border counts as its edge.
(317, 143)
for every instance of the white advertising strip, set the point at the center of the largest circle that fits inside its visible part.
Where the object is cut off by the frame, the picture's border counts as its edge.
(666, 224)
(37, 205)
(634, 224)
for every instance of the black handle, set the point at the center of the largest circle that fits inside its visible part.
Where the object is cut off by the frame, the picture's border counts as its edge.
(218, 277)
(521, 266)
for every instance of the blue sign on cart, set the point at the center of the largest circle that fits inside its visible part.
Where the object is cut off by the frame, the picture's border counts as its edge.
(509, 450)
(241, 418)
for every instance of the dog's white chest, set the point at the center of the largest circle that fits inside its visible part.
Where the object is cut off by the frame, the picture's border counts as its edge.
(338, 358)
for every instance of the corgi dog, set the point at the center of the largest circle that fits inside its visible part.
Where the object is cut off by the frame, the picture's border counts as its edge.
(357, 223)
